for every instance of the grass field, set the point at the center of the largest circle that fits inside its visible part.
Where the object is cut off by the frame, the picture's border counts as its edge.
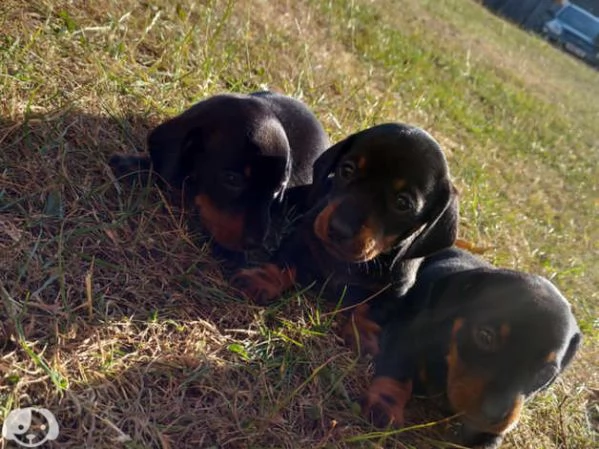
(115, 319)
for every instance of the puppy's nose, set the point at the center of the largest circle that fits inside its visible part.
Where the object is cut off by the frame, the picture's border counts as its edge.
(340, 231)
(497, 409)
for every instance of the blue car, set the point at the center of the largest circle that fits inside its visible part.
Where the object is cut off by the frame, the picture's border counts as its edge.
(575, 30)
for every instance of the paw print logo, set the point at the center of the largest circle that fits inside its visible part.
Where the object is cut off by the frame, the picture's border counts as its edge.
(30, 427)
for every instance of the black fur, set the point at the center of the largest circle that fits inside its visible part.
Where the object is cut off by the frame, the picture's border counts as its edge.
(240, 152)
(397, 160)
(530, 336)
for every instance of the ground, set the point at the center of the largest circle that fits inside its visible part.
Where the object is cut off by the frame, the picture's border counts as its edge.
(119, 322)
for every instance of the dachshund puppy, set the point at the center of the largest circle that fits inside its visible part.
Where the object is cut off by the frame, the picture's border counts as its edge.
(233, 156)
(381, 200)
(486, 338)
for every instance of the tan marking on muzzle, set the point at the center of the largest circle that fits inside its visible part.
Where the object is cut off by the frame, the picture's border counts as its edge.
(226, 228)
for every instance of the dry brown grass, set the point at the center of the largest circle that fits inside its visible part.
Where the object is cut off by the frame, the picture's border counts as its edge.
(116, 318)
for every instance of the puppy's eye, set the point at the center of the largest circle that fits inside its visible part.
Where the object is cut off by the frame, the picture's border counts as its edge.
(402, 202)
(347, 170)
(233, 181)
(486, 338)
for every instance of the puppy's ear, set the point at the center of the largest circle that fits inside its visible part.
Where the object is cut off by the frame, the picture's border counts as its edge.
(465, 285)
(571, 351)
(174, 146)
(325, 165)
(441, 228)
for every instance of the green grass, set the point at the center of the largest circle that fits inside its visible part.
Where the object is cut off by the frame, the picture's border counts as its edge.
(115, 318)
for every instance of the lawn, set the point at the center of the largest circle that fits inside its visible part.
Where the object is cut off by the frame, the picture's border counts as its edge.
(117, 319)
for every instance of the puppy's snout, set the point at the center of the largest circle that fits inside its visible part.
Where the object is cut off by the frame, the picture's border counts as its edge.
(257, 226)
(346, 222)
(340, 231)
(497, 409)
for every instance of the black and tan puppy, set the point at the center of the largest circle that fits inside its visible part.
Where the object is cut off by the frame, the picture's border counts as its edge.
(381, 200)
(232, 156)
(488, 338)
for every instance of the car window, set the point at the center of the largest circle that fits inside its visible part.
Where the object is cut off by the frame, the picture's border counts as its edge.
(580, 21)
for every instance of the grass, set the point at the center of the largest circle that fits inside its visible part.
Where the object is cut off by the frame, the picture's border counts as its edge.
(118, 321)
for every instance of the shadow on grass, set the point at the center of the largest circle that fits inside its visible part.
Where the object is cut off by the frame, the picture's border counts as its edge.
(79, 247)
(110, 309)
(93, 271)
(218, 398)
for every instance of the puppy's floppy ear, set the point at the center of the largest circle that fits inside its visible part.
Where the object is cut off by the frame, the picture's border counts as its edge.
(325, 165)
(441, 228)
(453, 293)
(571, 351)
(174, 146)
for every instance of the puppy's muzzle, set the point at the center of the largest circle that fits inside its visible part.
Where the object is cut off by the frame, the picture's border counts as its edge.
(347, 232)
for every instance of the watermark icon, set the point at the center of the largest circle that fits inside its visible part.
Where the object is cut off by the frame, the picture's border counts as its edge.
(30, 427)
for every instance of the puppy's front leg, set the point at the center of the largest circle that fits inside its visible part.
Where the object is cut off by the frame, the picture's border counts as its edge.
(264, 283)
(391, 389)
(361, 332)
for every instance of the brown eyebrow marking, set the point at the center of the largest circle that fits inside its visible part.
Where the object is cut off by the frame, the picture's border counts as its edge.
(247, 171)
(552, 357)
(399, 183)
(361, 162)
(457, 325)
(504, 331)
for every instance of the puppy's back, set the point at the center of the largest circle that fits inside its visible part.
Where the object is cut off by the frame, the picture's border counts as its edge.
(448, 261)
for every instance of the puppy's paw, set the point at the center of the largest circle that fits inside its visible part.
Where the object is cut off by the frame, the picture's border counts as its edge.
(265, 283)
(361, 333)
(385, 401)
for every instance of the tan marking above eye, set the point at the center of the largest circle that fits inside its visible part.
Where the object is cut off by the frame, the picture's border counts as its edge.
(247, 171)
(457, 325)
(361, 162)
(504, 331)
(552, 357)
(399, 184)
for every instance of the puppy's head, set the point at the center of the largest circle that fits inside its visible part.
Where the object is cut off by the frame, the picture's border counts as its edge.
(384, 190)
(232, 156)
(511, 335)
